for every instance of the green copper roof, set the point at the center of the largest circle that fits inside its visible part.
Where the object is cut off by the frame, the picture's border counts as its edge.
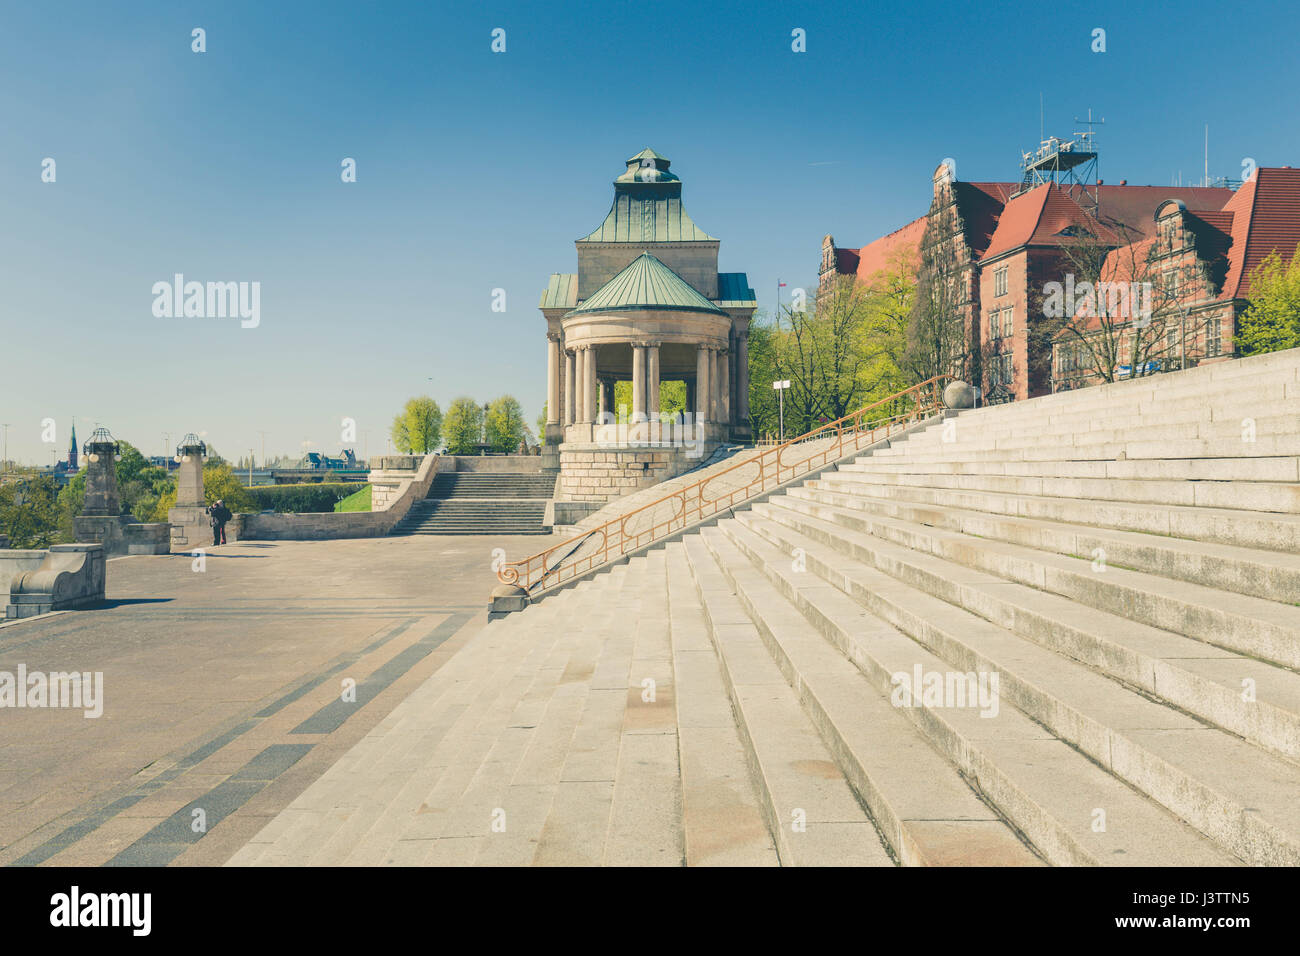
(561, 292)
(648, 218)
(648, 166)
(734, 290)
(648, 206)
(646, 284)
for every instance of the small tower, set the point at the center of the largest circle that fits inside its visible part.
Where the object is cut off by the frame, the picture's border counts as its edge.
(72, 449)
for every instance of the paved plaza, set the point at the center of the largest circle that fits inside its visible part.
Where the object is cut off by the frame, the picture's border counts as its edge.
(223, 689)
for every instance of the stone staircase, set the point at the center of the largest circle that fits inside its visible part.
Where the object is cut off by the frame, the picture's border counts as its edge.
(1095, 595)
(471, 502)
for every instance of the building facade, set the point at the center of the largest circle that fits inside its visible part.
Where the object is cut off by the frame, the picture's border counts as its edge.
(646, 305)
(1006, 244)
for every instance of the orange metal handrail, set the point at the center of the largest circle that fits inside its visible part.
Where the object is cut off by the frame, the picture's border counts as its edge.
(851, 433)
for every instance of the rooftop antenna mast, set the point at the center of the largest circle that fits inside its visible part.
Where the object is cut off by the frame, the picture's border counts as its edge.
(1070, 164)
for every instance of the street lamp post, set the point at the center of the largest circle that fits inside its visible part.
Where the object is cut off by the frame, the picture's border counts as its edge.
(780, 391)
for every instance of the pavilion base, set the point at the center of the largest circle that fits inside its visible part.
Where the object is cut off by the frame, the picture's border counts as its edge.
(602, 471)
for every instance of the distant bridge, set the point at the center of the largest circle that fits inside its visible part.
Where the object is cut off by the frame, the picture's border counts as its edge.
(290, 476)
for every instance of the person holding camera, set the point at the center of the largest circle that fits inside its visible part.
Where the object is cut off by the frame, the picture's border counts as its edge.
(219, 515)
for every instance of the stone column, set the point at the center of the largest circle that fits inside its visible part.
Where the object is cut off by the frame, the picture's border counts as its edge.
(638, 383)
(101, 499)
(703, 383)
(690, 395)
(652, 381)
(724, 386)
(604, 397)
(742, 376)
(570, 388)
(552, 378)
(189, 478)
(588, 402)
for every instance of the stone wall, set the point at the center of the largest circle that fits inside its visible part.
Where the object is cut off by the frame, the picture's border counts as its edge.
(123, 534)
(401, 490)
(600, 474)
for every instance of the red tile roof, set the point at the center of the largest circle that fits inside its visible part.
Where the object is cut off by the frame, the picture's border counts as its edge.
(876, 257)
(1266, 216)
(1038, 217)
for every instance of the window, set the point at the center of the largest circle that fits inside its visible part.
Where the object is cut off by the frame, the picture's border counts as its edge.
(1214, 337)
(1000, 281)
(1008, 321)
(1000, 370)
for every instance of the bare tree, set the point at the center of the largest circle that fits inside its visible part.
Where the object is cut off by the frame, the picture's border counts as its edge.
(938, 334)
(1121, 307)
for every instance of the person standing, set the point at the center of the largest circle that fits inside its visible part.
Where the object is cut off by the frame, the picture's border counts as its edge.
(220, 514)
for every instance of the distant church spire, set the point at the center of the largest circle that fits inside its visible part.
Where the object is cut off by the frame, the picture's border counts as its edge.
(72, 448)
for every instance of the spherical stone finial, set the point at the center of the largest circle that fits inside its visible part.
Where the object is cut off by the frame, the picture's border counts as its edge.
(959, 395)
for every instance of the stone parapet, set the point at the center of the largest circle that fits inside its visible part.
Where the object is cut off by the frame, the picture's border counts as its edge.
(66, 576)
(122, 534)
(397, 489)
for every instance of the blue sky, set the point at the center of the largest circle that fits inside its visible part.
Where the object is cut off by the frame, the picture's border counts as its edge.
(476, 171)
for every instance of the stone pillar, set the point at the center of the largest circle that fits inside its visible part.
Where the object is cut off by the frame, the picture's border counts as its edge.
(652, 381)
(690, 395)
(553, 378)
(742, 377)
(587, 404)
(724, 386)
(188, 520)
(101, 482)
(189, 478)
(703, 383)
(604, 397)
(638, 383)
(570, 388)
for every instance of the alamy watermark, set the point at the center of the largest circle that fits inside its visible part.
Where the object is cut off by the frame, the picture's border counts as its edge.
(212, 300)
(682, 430)
(946, 689)
(57, 689)
(1123, 300)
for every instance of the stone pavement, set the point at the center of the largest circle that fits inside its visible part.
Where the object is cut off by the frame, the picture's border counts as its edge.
(223, 689)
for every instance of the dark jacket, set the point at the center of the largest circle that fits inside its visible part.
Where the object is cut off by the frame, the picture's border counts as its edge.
(220, 514)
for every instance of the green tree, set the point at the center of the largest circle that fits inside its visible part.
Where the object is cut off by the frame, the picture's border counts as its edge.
(139, 483)
(29, 512)
(672, 399)
(219, 481)
(418, 427)
(1272, 320)
(462, 426)
(506, 427)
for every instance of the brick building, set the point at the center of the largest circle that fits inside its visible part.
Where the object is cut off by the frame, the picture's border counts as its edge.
(1006, 243)
(1199, 262)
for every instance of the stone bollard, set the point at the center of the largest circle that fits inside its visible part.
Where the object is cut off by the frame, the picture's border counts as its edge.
(959, 395)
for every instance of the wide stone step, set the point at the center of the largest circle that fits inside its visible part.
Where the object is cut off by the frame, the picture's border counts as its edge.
(810, 809)
(1165, 469)
(1207, 682)
(1254, 530)
(927, 813)
(1108, 446)
(1247, 496)
(333, 823)
(722, 816)
(1072, 810)
(516, 783)
(1263, 574)
(1236, 622)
